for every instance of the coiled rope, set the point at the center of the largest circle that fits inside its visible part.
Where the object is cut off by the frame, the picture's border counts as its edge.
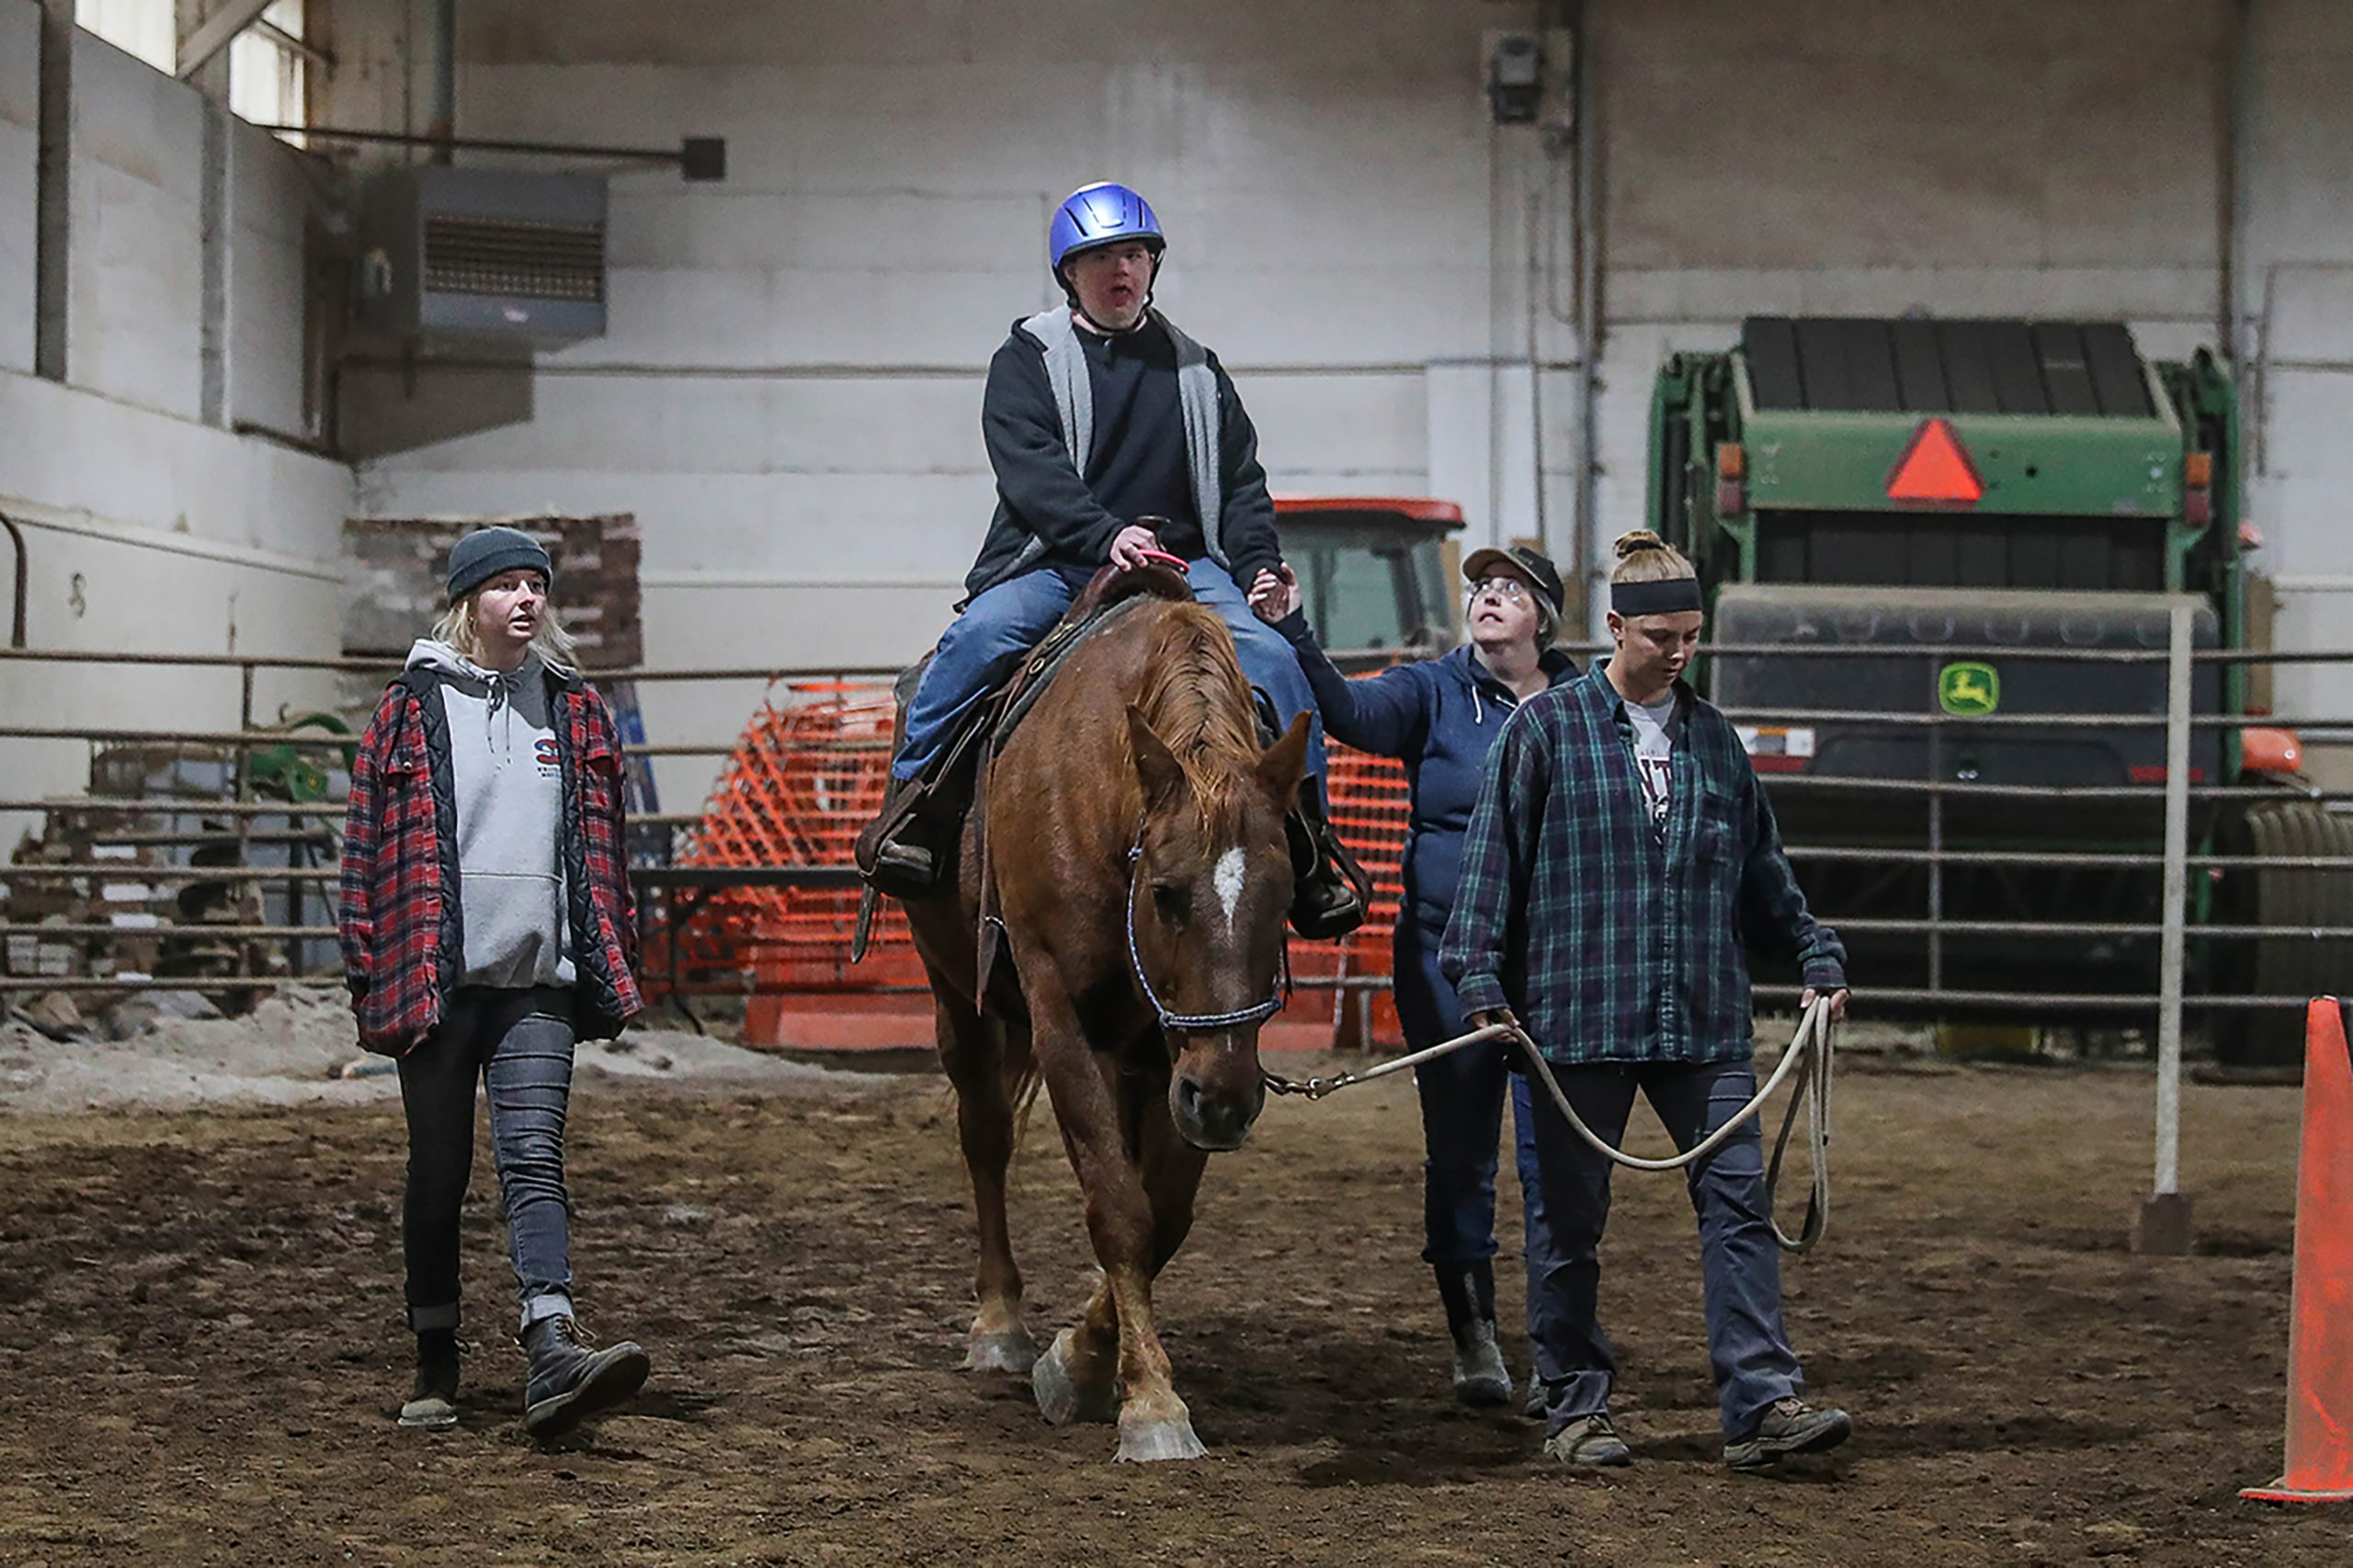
(1809, 1056)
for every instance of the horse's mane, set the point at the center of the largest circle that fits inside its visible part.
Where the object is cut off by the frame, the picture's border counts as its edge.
(1196, 700)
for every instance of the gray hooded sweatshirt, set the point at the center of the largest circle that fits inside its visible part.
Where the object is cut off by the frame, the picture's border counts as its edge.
(504, 767)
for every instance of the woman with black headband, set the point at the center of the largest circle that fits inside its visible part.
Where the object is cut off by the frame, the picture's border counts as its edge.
(1620, 855)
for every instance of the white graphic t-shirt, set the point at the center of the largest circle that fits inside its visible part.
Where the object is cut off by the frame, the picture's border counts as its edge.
(1653, 747)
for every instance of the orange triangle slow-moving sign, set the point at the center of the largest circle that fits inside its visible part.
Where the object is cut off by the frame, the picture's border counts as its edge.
(1935, 468)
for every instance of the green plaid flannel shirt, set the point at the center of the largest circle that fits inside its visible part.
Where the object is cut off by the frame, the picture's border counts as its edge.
(1610, 939)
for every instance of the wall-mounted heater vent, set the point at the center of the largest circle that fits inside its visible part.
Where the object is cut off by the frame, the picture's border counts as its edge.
(485, 253)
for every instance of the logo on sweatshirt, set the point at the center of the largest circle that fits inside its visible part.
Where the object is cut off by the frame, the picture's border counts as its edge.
(543, 752)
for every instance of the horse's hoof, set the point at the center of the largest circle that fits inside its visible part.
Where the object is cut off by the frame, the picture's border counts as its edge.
(1061, 1401)
(1015, 1352)
(1148, 1442)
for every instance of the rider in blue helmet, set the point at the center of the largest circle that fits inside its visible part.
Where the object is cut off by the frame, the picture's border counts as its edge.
(1111, 433)
(1094, 216)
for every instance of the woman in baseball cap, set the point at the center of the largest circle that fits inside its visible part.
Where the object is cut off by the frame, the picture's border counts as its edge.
(1440, 718)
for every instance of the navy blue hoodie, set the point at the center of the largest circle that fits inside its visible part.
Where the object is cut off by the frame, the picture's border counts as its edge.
(1438, 718)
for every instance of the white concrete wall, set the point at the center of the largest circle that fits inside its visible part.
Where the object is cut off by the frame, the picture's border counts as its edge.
(2296, 296)
(147, 530)
(787, 397)
(137, 263)
(269, 201)
(137, 267)
(19, 153)
(1985, 157)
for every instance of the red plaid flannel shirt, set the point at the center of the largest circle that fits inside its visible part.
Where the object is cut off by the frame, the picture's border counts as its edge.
(400, 909)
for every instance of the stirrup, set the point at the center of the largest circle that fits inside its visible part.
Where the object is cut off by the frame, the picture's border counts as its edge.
(1325, 906)
(1333, 895)
(903, 871)
(887, 863)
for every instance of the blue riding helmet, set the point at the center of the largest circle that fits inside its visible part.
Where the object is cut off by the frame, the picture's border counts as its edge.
(1100, 214)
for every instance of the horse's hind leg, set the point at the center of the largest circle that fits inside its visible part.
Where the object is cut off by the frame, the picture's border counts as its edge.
(987, 1077)
(1078, 1377)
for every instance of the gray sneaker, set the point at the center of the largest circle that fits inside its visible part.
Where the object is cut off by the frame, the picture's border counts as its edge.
(1589, 1442)
(1790, 1426)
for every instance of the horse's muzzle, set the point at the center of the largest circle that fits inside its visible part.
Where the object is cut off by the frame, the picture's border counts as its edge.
(1215, 1111)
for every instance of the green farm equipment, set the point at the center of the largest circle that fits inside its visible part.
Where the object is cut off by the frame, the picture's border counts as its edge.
(1945, 520)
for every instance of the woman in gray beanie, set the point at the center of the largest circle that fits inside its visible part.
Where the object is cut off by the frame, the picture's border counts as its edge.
(488, 925)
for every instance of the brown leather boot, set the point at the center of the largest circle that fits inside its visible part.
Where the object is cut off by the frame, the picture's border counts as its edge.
(893, 851)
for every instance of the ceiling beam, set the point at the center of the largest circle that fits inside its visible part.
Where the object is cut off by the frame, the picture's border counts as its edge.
(215, 33)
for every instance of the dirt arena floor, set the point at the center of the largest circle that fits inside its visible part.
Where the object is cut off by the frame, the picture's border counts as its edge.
(200, 1348)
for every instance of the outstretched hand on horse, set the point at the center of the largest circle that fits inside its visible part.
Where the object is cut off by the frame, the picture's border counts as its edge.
(1129, 545)
(1274, 594)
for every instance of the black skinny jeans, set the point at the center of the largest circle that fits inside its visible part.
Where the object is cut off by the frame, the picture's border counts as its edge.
(519, 1043)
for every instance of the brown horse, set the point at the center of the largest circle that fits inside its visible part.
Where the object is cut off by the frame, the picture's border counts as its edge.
(1134, 830)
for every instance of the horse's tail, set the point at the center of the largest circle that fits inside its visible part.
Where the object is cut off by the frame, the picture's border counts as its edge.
(1022, 1089)
(1017, 1070)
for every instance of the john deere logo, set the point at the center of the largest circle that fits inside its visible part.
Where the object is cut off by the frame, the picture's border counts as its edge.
(1969, 691)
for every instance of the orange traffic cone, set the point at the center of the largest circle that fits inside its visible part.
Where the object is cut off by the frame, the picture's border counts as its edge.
(2320, 1322)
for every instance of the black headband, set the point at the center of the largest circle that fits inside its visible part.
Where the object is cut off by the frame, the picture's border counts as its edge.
(1668, 597)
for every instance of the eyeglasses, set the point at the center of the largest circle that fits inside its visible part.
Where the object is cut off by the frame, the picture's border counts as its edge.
(1506, 588)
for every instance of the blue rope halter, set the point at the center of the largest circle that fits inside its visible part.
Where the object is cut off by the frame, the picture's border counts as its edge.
(1183, 1023)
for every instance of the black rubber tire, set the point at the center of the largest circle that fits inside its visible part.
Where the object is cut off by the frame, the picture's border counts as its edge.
(2294, 899)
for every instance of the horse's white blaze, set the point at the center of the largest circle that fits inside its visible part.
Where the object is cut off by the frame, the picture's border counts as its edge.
(1227, 881)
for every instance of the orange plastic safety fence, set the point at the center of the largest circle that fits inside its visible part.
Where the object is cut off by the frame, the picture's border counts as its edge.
(807, 775)
(804, 778)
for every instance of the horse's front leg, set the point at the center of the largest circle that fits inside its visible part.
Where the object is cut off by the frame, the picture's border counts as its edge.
(1114, 1349)
(1154, 1421)
(1157, 1427)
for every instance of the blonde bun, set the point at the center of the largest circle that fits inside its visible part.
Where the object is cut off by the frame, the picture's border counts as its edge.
(1643, 557)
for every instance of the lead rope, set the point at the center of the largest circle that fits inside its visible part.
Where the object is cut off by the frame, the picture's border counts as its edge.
(1810, 1049)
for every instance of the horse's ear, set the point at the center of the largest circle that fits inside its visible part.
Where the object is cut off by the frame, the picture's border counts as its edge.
(1284, 764)
(1157, 766)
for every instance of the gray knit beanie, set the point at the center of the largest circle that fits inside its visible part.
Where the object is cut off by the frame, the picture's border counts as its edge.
(486, 553)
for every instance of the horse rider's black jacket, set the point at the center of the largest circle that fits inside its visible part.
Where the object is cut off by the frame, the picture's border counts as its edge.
(1137, 466)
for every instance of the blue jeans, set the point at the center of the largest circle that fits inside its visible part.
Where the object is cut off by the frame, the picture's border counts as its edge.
(1001, 625)
(519, 1043)
(1740, 1264)
(1462, 1107)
